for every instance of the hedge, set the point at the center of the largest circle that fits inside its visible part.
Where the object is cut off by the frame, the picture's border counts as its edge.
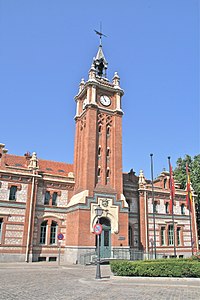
(157, 268)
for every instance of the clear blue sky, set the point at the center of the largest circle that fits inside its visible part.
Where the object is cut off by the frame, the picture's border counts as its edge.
(47, 46)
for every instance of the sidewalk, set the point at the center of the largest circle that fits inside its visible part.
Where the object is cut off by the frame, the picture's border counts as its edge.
(48, 281)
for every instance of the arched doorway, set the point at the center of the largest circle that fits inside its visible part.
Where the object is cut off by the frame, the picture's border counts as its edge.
(105, 238)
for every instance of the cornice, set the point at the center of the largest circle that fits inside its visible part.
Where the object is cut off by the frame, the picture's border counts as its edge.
(104, 86)
(67, 180)
(20, 173)
(99, 108)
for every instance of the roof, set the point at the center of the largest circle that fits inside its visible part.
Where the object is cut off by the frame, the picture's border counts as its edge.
(46, 166)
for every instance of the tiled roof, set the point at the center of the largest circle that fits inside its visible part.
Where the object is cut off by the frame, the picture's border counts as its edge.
(54, 167)
(12, 160)
(46, 166)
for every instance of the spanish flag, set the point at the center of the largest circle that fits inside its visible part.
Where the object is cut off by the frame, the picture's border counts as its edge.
(188, 190)
(172, 189)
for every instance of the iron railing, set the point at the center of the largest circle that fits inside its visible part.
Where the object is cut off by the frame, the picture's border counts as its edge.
(129, 254)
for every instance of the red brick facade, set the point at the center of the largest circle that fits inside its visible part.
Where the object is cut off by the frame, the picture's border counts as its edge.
(141, 214)
(40, 198)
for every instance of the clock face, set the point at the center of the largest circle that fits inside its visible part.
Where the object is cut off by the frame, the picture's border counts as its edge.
(105, 100)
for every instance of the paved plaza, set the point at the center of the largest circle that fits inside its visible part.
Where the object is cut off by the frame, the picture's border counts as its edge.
(48, 281)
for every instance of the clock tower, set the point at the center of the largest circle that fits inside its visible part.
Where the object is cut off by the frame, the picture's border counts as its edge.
(97, 165)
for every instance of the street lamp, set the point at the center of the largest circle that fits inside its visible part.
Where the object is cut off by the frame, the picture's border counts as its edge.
(98, 212)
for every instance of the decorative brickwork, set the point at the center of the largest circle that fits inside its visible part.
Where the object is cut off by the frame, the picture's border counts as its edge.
(29, 224)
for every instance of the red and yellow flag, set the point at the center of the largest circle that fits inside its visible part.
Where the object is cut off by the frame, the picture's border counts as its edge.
(172, 189)
(188, 190)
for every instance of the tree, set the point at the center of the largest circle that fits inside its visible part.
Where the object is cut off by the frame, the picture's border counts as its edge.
(180, 176)
(194, 168)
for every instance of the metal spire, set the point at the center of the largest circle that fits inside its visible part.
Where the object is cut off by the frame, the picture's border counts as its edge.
(100, 34)
(100, 62)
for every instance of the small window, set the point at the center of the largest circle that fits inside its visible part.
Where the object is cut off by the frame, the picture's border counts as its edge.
(130, 236)
(179, 236)
(61, 171)
(13, 191)
(100, 129)
(18, 165)
(183, 209)
(53, 232)
(162, 236)
(108, 152)
(167, 207)
(54, 198)
(42, 258)
(108, 130)
(108, 173)
(47, 198)
(99, 150)
(52, 258)
(171, 235)
(43, 231)
(99, 172)
(165, 183)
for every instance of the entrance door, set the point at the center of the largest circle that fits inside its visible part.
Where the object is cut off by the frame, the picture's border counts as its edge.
(105, 238)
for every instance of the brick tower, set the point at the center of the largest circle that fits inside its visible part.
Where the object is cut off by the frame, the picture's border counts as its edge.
(97, 165)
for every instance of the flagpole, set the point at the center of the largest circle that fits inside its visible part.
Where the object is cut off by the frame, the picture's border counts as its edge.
(189, 205)
(195, 224)
(154, 221)
(191, 232)
(172, 199)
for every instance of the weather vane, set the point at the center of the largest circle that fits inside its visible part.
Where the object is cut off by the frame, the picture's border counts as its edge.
(100, 34)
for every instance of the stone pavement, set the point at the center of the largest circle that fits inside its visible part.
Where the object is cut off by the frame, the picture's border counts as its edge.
(47, 281)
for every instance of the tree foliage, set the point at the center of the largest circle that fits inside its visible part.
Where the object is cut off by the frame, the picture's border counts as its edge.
(194, 168)
(180, 176)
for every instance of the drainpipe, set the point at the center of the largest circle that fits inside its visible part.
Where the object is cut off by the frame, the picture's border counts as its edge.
(29, 219)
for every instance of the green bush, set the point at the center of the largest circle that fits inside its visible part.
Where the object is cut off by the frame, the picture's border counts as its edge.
(157, 268)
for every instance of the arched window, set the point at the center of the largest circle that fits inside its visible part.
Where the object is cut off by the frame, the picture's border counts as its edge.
(100, 128)
(47, 198)
(13, 191)
(54, 198)
(43, 231)
(53, 232)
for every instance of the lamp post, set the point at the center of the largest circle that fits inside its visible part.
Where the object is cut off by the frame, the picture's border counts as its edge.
(98, 212)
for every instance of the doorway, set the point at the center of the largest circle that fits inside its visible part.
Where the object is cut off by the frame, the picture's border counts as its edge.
(105, 238)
